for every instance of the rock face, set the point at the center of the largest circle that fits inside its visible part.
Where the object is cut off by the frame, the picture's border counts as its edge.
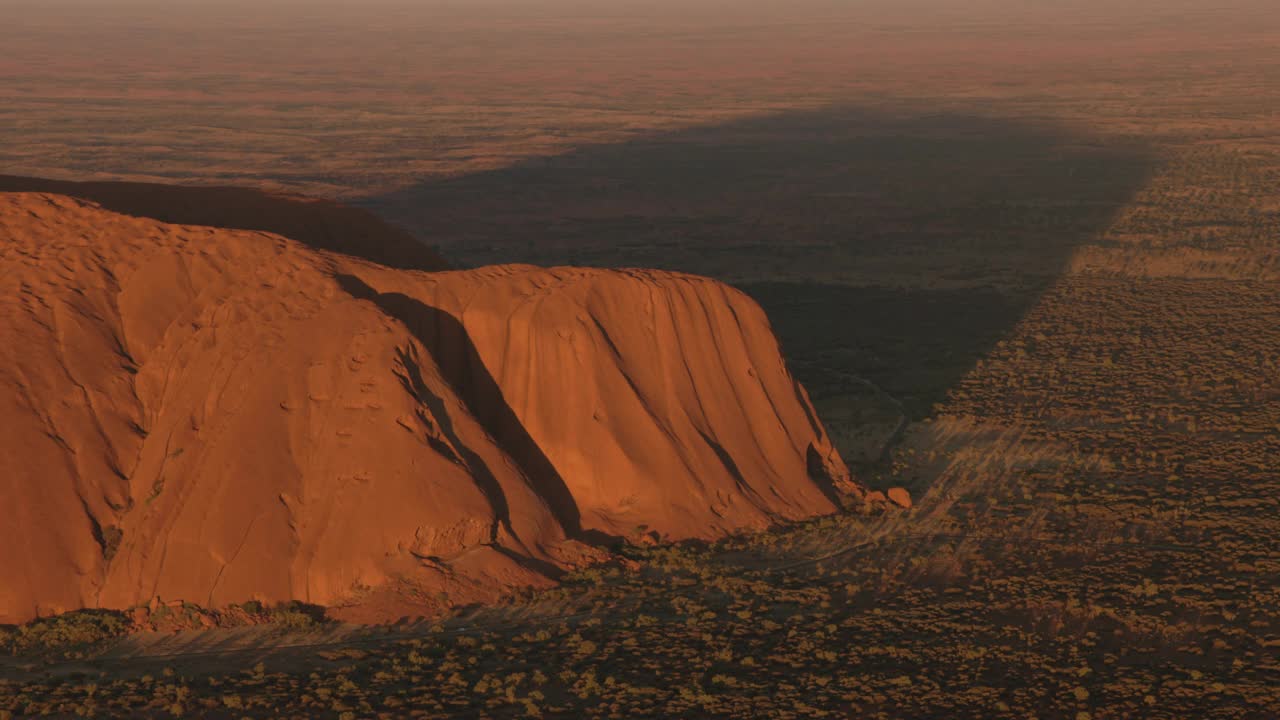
(218, 415)
(319, 224)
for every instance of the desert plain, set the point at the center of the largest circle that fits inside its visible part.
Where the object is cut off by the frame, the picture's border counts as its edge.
(1024, 259)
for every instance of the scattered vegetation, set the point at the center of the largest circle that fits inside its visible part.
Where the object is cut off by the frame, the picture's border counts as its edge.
(70, 632)
(78, 634)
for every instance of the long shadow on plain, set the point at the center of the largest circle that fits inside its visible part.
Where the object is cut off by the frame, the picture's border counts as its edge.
(890, 246)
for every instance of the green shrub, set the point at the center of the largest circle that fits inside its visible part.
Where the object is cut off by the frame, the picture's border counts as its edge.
(81, 627)
(296, 615)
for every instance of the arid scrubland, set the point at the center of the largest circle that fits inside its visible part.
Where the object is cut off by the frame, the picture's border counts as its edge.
(1033, 258)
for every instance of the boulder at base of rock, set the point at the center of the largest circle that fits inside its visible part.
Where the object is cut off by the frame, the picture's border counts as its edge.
(899, 496)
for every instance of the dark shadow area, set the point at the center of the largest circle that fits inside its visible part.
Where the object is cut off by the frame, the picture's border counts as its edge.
(818, 473)
(320, 224)
(892, 246)
(914, 344)
(451, 348)
(542, 567)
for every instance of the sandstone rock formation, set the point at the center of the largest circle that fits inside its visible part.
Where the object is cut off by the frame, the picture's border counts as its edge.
(218, 415)
(321, 224)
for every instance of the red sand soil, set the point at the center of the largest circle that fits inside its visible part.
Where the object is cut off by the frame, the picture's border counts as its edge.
(215, 415)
